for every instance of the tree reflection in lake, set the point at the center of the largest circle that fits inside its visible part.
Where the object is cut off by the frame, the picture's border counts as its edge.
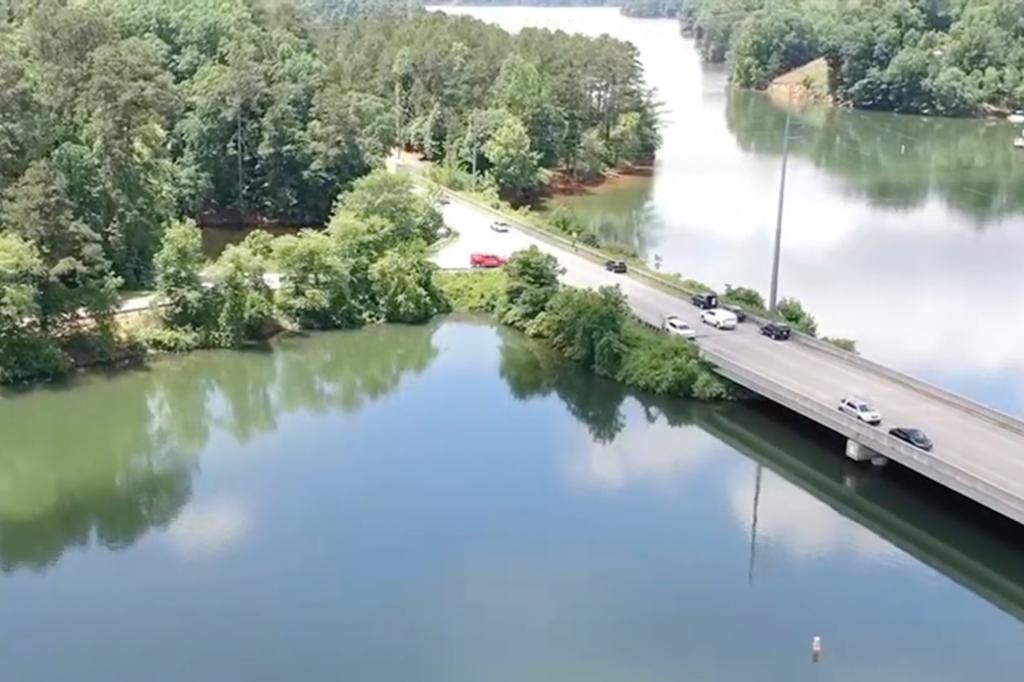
(893, 161)
(105, 458)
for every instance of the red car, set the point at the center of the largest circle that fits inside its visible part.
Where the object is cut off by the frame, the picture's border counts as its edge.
(486, 260)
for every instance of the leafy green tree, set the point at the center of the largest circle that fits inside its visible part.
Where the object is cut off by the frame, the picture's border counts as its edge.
(587, 326)
(403, 283)
(78, 276)
(129, 99)
(531, 282)
(592, 158)
(25, 353)
(391, 197)
(315, 282)
(178, 277)
(513, 164)
(245, 301)
(744, 296)
(793, 312)
(770, 42)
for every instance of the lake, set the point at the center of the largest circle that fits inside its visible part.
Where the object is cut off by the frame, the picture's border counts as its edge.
(905, 233)
(451, 502)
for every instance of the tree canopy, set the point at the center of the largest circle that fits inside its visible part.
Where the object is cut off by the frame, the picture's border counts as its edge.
(913, 56)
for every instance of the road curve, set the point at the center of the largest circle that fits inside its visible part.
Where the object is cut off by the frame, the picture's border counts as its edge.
(985, 453)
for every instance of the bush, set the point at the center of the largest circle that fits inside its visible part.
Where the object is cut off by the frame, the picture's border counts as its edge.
(793, 312)
(849, 345)
(315, 291)
(661, 364)
(479, 291)
(403, 282)
(531, 282)
(29, 357)
(170, 339)
(744, 296)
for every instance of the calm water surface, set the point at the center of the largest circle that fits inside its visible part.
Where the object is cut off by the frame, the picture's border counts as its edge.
(449, 502)
(903, 232)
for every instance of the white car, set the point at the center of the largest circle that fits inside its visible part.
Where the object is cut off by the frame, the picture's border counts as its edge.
(860, 409)
(674, 326)
(499, 226)
(719, 318)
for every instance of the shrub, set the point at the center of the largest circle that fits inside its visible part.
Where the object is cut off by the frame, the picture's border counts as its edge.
(793, 312)
(478, 291)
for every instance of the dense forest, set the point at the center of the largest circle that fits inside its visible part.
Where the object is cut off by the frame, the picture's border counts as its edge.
(935, 57)
(120, 118)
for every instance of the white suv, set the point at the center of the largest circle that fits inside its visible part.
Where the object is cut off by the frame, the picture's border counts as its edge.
(861, 409)
(676, 327)
(719, 319)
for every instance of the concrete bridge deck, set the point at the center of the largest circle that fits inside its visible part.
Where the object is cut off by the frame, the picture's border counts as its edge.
(978, 452)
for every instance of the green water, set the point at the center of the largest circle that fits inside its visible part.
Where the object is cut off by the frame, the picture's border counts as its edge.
(902, 232)
(450, 502)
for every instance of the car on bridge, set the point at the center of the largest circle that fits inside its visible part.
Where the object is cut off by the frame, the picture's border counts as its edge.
(719, 318)
(776, 331)
(617, 266)
(705, 301)
(740, 313)
(486, 260)
(861, 409)
(674, 326)
(916, 437)
(499, 226)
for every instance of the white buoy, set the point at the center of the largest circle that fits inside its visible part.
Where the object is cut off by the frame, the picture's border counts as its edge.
(816, 648)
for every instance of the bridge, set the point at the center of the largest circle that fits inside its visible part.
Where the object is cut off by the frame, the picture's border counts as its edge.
(978, 451)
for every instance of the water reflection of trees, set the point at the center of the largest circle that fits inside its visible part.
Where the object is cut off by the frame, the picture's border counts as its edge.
(530, 369)
(105, 462)
(894, 161)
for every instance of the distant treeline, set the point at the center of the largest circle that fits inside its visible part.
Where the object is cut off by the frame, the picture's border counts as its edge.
(915, 56)
(120, 117)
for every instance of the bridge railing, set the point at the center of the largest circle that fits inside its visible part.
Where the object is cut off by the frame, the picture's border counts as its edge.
(986, 491)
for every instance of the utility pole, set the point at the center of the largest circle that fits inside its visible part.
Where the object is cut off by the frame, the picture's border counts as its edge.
(773, 296)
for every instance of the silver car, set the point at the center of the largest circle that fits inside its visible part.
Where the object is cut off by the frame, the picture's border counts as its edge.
(860, 409)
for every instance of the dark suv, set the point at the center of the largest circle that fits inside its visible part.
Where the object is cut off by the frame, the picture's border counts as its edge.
(776, 330)
(615, 266)
(705, 301)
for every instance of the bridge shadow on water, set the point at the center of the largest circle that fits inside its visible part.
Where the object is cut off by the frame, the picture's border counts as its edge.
(977, 548)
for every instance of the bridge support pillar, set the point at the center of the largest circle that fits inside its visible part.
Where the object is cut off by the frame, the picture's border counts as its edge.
(862, 453)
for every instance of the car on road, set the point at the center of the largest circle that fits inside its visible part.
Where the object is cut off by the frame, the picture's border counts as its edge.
(443, 200)
(719, 318)
(705, 301)
(486, 260)
(741, 315)
(674, 326)
(499, 226)
(916, 437)
(861, 409)
(618, 266)
(776, 331)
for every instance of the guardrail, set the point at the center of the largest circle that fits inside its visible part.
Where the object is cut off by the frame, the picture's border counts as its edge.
(989, 414)
(986, 492)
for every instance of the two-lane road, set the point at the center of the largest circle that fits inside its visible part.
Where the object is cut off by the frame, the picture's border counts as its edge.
(980, 448)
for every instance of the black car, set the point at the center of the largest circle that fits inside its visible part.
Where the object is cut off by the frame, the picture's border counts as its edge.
(776, 330)
(916, 437)
(737, 311)
(705, 301)
(615, 266)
